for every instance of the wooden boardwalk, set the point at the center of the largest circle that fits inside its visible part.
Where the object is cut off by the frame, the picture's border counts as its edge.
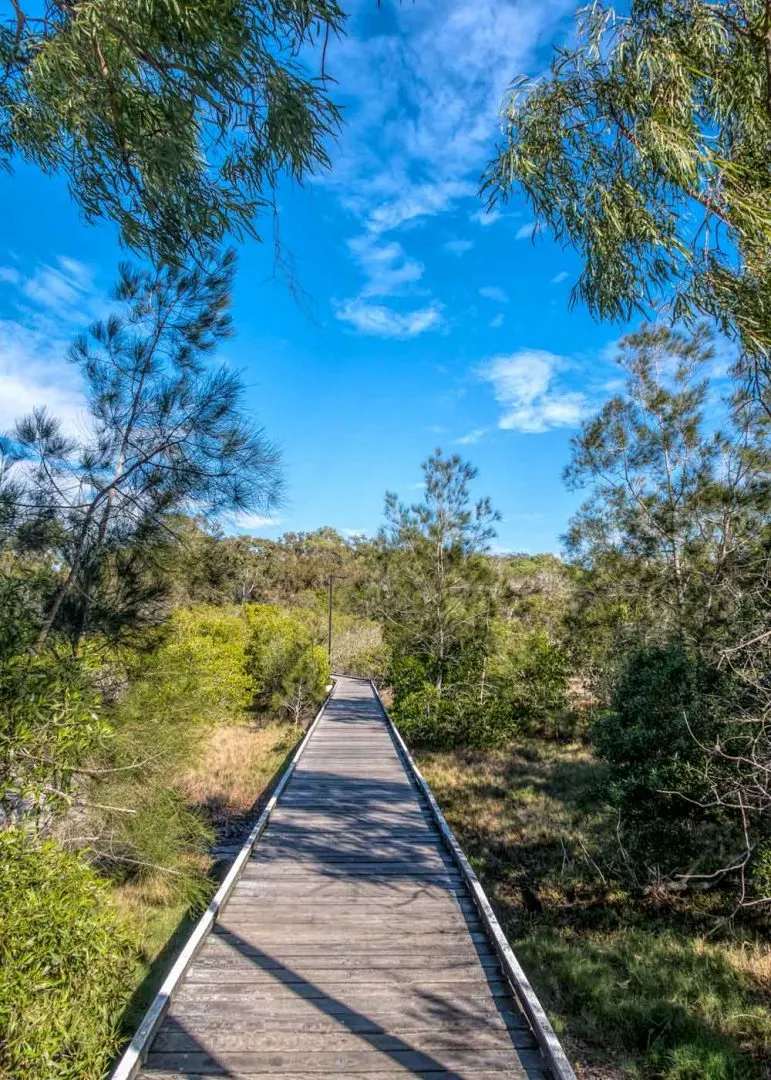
(350, 945)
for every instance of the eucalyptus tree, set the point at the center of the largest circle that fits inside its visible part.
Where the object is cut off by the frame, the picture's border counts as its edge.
(436, 584)
(646, 149)
(165, 434)
(173, 118)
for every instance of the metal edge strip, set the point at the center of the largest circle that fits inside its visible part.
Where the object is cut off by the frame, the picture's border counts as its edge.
(531, 1006)
(133, 1056)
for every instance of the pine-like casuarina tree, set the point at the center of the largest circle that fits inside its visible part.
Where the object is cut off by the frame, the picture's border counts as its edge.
(676, 507)
(165, 435)
(436, 586)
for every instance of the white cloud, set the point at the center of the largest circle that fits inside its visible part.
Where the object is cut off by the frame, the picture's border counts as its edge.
(525, 384)
(486, 217)
(34, 373)
(422, 87)
(493, 292)
(525, 232)
(560, 277)
(472, 437)
(53, 302)
(497, 321)
(381, 321)
(63, 291)
(388, 269)
(422, 201)
(247, 521)
(458, 247)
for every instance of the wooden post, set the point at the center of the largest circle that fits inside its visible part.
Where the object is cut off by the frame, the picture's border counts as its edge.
(329, 633)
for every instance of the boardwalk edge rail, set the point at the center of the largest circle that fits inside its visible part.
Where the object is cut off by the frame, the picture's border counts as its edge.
(550, 1045)
(133, 1056)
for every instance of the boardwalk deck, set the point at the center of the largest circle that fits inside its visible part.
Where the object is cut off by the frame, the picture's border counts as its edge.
(350, 946)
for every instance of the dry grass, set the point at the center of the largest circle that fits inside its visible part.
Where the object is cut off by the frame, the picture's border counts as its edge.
(639, 987)
(235, 765)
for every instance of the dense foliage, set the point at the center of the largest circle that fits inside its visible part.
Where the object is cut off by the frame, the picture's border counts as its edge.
(288, 669)
(173, 119)
(646, 149)
(65, 963)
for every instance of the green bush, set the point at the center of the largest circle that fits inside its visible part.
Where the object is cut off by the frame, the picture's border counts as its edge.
(446, 719)
(289, 670)
(528, 676)
(202, 661)
(175, 693)
(664, 703)
(50, 718)
(358, 647)
(65, 964)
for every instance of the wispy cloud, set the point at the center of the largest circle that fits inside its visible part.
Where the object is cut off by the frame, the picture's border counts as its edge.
(382, 321)
(247, 522)
(52, 302)
(560, 277)
(525, 232)
(458, 247)
(493, 292)
(485, 217)
(422, 87)
(388, 269)
(34, 373)
(497, 321)
(472, 437)
(423, 201)
(526, 384)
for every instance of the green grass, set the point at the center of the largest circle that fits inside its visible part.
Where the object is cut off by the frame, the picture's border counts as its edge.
(637, 985)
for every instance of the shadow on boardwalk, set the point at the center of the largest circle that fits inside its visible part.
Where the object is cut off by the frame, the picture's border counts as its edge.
(199, 1058)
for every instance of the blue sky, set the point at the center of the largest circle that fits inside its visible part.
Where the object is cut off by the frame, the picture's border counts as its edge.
(428, 323)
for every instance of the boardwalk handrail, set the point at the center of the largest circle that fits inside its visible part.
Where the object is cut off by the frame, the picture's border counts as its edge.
(131, 1060)
(550, 1045)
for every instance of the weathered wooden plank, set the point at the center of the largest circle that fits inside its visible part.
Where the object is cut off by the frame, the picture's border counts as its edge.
(423, 948)
(303, 1015)
(294, 965)
(383, 987)
(434, 934)
(228, 1038)
(339, 1064)
(393, 1072)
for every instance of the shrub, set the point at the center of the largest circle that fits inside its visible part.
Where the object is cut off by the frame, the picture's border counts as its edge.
(289, 670)
(49, 712)
(65, 964)
(448, 718)
(358, 648)
(143, 827)
(528, 677)
(655, 774)
(202, 661)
